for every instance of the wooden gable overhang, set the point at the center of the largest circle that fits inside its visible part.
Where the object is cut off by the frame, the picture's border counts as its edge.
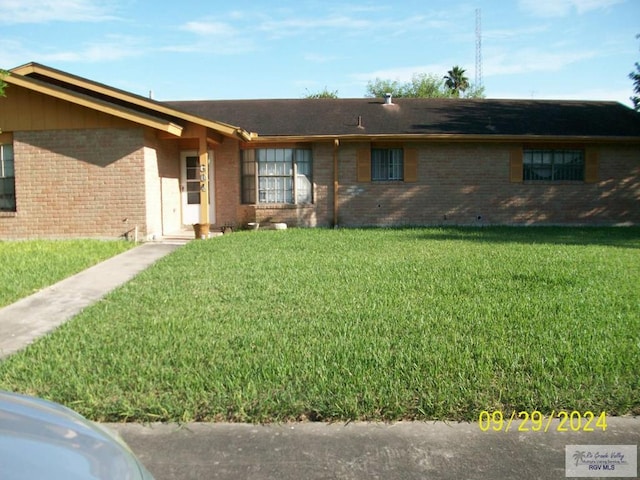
(170, 122)
(103, 106)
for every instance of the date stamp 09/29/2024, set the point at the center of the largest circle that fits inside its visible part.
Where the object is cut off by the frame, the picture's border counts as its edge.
(535, 421)
(580, 460)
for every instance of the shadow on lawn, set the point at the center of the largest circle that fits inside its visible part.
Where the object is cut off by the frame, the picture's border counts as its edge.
(622, 237)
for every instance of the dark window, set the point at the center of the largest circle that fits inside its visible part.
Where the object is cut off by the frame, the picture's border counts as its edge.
(193, 180)
(387, 164)
(553, 165)
(248, 177)
(7, 179)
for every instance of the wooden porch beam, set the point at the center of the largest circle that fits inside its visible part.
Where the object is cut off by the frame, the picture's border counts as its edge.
(336, 182)
(194, 131)
(203, 156)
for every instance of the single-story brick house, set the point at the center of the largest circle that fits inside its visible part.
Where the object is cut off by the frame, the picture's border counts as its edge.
(80, 159)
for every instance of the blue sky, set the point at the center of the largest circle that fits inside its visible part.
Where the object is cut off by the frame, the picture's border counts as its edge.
(573, 49)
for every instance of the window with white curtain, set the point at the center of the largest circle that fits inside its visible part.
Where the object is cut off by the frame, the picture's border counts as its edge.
(277, 175)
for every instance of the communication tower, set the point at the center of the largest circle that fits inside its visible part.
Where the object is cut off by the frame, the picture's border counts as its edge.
(478, 49)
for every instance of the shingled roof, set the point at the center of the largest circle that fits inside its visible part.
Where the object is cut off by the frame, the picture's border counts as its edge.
(422, 117)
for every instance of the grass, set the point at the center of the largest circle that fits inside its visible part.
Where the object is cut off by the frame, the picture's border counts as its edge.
(357, 325)
(28, 266)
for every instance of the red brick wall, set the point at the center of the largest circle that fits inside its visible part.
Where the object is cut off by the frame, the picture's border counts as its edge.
(77, 183)
(227, 182)
(468, 184)
(91, 183)
(458, 184)
(323, 183)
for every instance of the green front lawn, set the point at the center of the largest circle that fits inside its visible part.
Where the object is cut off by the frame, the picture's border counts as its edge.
(357, 324)
(28, 266)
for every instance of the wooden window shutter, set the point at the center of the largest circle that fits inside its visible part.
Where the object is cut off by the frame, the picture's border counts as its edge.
(410, 165)
(591, 165)
(515, 165)
(363, 173)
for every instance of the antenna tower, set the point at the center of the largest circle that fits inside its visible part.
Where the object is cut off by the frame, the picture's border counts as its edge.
(478, 49)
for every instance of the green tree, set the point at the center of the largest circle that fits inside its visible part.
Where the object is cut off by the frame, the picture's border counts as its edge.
(421, 85)
(424, 86)
(474, 91)
(635, 76)
(325, 93)
(380, 87)
(456, 81)
(2, 84)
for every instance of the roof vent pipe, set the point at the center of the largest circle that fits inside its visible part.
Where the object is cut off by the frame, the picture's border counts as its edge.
(388, 99)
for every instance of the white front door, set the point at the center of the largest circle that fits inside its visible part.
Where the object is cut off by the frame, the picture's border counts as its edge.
(190, 188)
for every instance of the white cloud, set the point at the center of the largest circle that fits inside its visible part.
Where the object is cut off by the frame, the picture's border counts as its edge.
(320, 58)
(211, 48)
(513, 33)
(606, 94)
(234, 47)
(530, 60)
(348, 20)
(213, 37)
(115, 47)
(209, 28)
(621, 95)
(363, 8)
(560, 8)
(294, 26)
(42, 11)
(401, 74)
(12, 54)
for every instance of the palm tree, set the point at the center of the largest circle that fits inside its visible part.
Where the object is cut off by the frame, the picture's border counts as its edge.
(579, 457)
(456, 81)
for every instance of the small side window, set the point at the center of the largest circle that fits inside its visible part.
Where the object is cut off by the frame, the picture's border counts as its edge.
(387, 164)
(7, 179)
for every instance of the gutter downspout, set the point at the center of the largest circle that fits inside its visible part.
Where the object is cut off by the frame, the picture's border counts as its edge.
(336, 145)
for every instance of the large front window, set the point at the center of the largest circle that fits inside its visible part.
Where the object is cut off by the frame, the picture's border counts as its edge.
(7, 179)
(553, 165)
(278, 175)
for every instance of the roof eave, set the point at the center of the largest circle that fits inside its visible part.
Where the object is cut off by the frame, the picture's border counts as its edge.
(455, 137)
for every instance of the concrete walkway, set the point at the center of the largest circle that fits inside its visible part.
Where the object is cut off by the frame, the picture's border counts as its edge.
(31, 317)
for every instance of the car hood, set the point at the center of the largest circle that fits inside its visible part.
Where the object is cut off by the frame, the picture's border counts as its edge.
(41, 439)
